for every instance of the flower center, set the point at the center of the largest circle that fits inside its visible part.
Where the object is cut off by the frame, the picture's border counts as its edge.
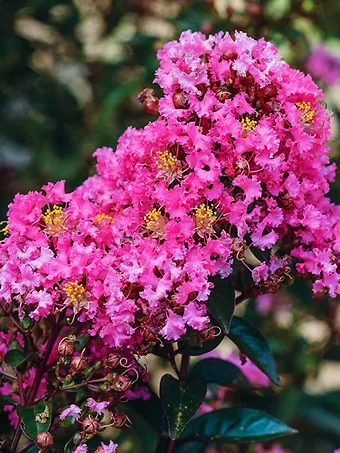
(75, 292)
(100, 217)
(248, 124)
(55, 220)
(307, 114)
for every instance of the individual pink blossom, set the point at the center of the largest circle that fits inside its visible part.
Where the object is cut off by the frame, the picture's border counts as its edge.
(96, 406)
(72, 411)
(80, 449)
(254, 375)
(110, 448)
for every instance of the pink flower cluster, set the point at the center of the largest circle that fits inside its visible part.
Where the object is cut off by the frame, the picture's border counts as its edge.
(236, 159)
(324, 65)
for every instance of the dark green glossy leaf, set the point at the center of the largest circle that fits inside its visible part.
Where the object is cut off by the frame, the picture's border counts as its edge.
(36, 419)
(152, 411)
(221, 302)
(235, 425)
(144, 435)
(219, 371)
(194, 348)
(14, 357)
(252, 343)
(180, 401)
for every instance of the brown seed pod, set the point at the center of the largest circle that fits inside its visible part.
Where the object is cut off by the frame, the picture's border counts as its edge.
(44, 440)
(78, 364)
(121, 383)
(120, 420)
(112, 360)
(90, 425)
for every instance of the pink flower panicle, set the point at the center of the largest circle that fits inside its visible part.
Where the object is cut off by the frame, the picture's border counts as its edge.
(237, 160)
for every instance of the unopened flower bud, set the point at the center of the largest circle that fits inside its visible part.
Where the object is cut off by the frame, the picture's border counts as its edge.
(98, 365)
(149, 100)
(78, 364)
(180, 100)
(90, 425)
(77, 438)
(66, 346)
(44, 440)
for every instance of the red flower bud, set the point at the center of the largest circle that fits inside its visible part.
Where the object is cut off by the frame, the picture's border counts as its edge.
(44, 440)
(229, 55)
(90, 425)
(149, 100)
(66, 346)
(78, 364)
(151, 106)
(180, 100)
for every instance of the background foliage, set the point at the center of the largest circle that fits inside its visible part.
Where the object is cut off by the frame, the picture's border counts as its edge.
(70, 73)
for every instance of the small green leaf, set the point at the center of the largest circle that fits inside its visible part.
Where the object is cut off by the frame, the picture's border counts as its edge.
(36, 419)
(235, 425)
(194, 348)
(180, 401)
(26, 322)
(252, 343)
(220, 372)
(14, 357)
(221, 302)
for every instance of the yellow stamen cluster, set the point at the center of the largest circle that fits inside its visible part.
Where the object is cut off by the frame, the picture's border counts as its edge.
(205, 215)
(54, 216)
(151, 218)
(75, 291)
(165, 160)
(307, 114)
(100, 217)
(248, 124)
(5, 230)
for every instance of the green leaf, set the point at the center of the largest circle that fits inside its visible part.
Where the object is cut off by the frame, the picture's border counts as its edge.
(193, 347)
(219, 371)
(180, 401)
(144, 435)
(14, 357)
(151, 410)
(235, 425)
(36, 419)
(252, 343)
(221, 302)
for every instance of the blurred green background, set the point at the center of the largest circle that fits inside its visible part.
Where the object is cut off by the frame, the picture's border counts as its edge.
(70, 73)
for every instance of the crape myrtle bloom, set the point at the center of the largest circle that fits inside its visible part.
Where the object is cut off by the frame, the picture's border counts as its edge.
(324, 65)
(236, 159)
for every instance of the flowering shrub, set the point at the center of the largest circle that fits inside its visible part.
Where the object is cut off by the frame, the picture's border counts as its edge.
(224, 192)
